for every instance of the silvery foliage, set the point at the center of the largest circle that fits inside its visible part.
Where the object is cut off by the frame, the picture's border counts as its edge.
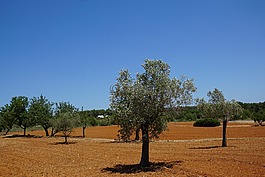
(145, 99)
(218, 107)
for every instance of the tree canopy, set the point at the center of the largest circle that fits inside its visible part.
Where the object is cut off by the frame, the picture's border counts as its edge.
(41, 109)
(141, 103)
(19, 109)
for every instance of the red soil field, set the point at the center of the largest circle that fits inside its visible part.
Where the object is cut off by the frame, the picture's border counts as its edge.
(182, 150)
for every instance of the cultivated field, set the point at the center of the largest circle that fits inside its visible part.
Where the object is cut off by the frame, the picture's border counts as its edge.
(183, 150)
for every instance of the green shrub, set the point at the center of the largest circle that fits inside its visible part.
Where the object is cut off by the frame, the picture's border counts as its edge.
(208, 122)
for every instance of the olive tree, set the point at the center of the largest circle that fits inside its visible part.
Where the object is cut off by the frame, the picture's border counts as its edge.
(84, 120)
(41, 110)
(218, 107)
(259, 117)
(65, 119)
(141, 103)
(19, 110)
(65, 123)
(7, 120)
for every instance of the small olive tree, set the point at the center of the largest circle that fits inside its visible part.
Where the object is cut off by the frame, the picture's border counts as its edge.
(65, 119)
(218, 107)
(259, 117)
(65, 123)
(84, 120)
(141, 103)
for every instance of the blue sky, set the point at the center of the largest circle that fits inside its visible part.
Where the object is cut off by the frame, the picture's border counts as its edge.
(71, 50)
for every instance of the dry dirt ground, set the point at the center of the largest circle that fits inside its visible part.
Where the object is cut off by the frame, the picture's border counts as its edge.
(183, 150)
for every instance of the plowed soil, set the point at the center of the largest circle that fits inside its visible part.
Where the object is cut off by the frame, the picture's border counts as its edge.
(182, 150)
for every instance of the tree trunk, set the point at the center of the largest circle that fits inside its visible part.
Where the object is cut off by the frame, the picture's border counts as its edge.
(224, 144)
(84, 135)
(7, 131)
(137, 137)
(46, 131)
(65, 139)
(24, 129)
(145, 147)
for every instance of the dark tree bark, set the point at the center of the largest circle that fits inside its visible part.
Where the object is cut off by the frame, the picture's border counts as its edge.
(224, 144)
(24, 130)
(84, 130)
(46, 131)
(137, 137)
(65, 139)
(145, 146)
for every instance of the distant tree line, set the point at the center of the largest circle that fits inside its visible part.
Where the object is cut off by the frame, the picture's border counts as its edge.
(52, 117)
(26, 113)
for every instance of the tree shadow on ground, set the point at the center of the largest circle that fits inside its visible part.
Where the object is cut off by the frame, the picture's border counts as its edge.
(122, 142)
(22, 136)
(77, 137)
(68, 143)
(210, 147)
(136, 168)
(207, 147)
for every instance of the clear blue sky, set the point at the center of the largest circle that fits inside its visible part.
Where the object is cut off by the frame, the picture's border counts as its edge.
(71, 50)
